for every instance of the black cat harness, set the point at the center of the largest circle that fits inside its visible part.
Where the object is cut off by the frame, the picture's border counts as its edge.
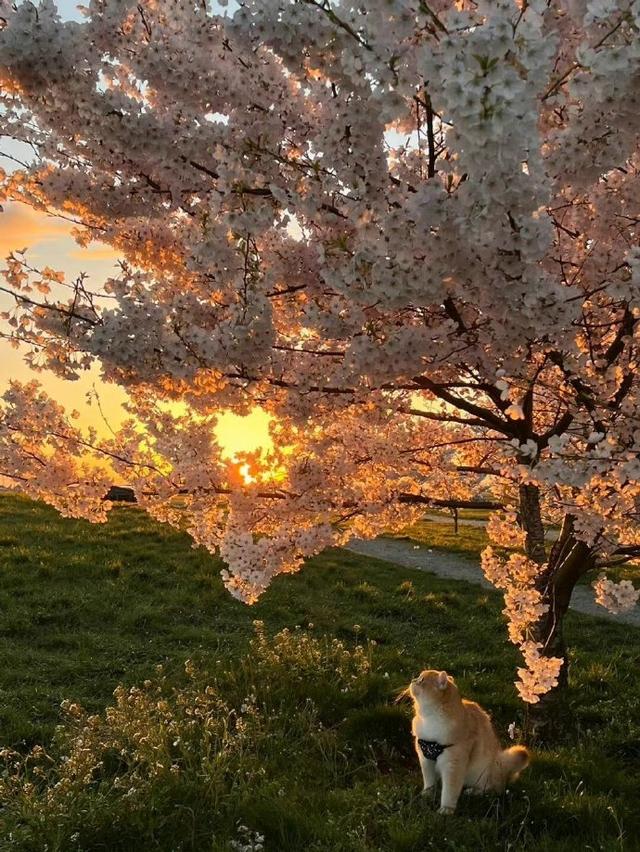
(431, 749)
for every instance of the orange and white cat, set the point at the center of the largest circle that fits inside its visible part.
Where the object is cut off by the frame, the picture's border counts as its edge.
(455, 742)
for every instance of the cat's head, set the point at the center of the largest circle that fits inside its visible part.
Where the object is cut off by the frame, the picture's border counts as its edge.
(433, 689)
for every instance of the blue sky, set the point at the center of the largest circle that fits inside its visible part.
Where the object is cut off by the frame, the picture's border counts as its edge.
(68, 10)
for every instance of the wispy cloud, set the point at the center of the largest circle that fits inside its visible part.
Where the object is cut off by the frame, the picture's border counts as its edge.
(21, 227)
(97, 252)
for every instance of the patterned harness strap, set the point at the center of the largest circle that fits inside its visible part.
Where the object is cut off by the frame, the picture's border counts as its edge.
(431, 749)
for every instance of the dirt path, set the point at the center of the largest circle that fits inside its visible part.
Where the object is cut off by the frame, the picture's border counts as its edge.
(410, 555)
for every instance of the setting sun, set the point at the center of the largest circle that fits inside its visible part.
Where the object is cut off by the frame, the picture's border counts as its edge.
(239, 434)
(245, 474)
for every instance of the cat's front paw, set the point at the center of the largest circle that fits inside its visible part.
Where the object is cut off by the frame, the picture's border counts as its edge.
(446, 811)
(427, 791)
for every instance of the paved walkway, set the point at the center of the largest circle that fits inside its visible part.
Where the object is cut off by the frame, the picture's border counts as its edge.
(407, 553)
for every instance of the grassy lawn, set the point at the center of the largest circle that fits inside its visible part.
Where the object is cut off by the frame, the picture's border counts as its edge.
(468, 541)
(463, 514)
(293, 734)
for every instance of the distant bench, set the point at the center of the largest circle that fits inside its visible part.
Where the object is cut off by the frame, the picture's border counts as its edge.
(120, 494)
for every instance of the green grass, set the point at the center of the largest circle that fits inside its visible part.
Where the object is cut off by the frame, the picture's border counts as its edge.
(463, 514)
(468, 541)
(295, 737)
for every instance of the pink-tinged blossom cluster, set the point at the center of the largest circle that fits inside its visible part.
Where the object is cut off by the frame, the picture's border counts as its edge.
(47, 458)
(503, 530)
(616, 597)
(540, 674)
(524, 607)
(515, 576)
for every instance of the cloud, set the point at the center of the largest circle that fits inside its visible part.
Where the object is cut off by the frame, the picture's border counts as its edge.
(94, 252)
(22, 227)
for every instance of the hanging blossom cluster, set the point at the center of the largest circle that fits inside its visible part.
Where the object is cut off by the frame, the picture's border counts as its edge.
(503, 529)
(515, 576)
(408, 234)
(539, 675)
(524, 608)
(616, 597)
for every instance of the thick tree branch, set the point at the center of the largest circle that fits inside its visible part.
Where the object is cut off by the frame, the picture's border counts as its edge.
(488, 418)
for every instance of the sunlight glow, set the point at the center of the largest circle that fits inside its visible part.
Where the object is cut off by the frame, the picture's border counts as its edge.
(248, 434)
(245, 474)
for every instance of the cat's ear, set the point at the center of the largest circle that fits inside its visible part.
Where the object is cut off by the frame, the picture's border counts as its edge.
(443, 680)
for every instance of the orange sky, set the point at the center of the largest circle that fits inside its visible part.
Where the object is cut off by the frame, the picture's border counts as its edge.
(49, 243)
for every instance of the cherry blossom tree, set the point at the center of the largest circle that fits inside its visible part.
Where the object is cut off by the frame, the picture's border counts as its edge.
(408, 230)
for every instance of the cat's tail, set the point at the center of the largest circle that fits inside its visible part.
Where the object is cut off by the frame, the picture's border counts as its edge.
(514, 760)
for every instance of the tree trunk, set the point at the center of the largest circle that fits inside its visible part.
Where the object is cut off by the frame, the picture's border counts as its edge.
(568, 560)
(531, 521)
